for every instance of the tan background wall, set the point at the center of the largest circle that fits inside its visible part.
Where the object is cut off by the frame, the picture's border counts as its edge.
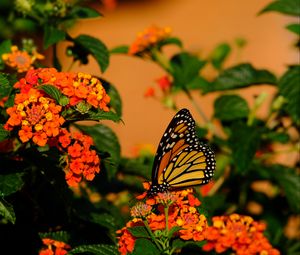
(201, 25)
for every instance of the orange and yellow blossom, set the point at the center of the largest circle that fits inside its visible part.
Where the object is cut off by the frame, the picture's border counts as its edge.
(148, 38)
(54, 247)
(35, 116)
(239, 233)
(181, 207)
(80, 160)
(77, 87)
(21, 60)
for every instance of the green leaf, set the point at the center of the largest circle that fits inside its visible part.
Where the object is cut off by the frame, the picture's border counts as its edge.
(105, 140)
(116, 100)
(119, 50)
(290, 7)
(244, 141)
(178, 243)
(280, 137)
(3, 133)
(185, 68)
(51, 91)
(103, 219)
(295, 28)
(289, 88)
(52, 35)
(5, 86)
(230, 107)
(81, 12)
(289, 180)
(62, 236)
(96, 48)
(170, 41)
(102, 115)
(139, 231)
(10, 183)
(240, 76)
(145, 247)
(173, 230)
(198, 83)
(5, 47)
(7, 211)
(97, 249)
(136, 166)
(219, 55)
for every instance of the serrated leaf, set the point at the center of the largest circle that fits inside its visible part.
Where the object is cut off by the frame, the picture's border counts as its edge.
(145, 247)
(240, 76)
(96, 48)
(82, 12)
(139, 231)
(230, 107)
(290, 7)
(5, 85)
(51, 91)
(295, 28)
(97, 249)
(119, 50)
(62, 236)
(170, 41)
(102, 115)
(289, 88)
(3, 133)
(105, 140)
(185, 68)
(7, 211)
(219, 55)
(10, 183)
(244, 141)
(52, 35)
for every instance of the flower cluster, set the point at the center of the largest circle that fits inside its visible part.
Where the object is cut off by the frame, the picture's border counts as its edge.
(36, 116)
(21, 60)
(54, 247)
(240, 233)
(148, 38)
(172, 209)
(79, 160)
(164, 84)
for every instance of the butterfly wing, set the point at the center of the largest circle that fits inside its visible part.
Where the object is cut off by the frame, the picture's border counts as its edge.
(181, 160)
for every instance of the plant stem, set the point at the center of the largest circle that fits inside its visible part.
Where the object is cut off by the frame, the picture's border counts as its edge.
(166, 209)
(158, 245)
(199, 110)
(161, 59)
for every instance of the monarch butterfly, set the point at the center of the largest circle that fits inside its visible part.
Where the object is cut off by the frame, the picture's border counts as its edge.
(181, 159)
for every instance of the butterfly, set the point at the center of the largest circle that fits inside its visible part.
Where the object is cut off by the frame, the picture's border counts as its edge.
(181, 160)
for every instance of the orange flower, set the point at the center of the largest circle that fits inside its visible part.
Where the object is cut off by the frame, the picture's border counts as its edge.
(126, 241)
(148, 38)
(21, 60)
(164, 83)
(181, 212)
(239, 233)
(80, 160)
(150, 92)
(35, 116)
(54, 247)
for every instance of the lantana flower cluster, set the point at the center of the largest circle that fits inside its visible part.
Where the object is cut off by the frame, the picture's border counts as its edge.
(53, 247)
(239, 233)
(177, 209)
(180, 209)
(79, 160)
(148, 38)
(21, 60)
(38, 118)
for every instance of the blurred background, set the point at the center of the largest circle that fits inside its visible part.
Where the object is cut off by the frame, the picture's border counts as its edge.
(201, 25)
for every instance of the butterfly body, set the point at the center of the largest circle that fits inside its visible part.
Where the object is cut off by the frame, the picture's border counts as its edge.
(181, 159)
